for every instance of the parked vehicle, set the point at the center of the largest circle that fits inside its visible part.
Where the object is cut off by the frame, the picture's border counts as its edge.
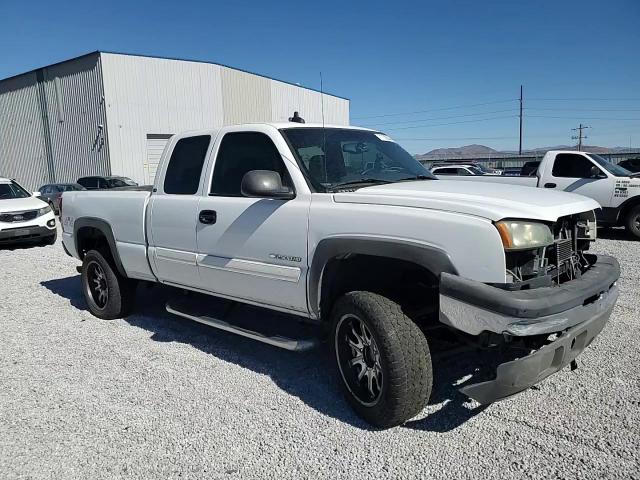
(631, 164)
(617, 190)
(52, 193)
(512, 171)
(457, 170)
(478, 165)
(23, 216)
(342, 226)
(105, 183)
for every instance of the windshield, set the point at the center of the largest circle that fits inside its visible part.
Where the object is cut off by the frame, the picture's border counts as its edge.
(333, 157)
(612, 168)
(12, 190)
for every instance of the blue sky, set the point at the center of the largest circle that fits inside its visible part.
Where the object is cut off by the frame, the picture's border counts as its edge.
(458, 64)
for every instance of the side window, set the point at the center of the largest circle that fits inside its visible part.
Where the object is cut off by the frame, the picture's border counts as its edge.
(571, 166)
(45, 190)
(185, 165)
(463, 171)
(102, 183)
(446, 171)
(241, 152)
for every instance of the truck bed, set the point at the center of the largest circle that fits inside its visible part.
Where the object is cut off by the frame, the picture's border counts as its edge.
(124, 210)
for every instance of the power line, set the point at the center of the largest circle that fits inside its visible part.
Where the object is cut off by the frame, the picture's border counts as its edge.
(443, 118)
(453, 123)
(585, 99)
(434, 109)
(585, 118)
(452, 138)
(585, 109)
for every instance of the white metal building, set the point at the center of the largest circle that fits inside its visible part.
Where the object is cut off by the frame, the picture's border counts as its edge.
(111, 114)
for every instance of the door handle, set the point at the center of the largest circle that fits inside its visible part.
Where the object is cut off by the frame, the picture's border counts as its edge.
(550, 185)
(208, 217)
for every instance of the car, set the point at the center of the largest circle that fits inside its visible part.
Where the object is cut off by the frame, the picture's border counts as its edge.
(52, 193)
(23, 216)
(631, 164)
(342, 228)
(616, 189)
(478, 165)
(103, 183)
(464, 170)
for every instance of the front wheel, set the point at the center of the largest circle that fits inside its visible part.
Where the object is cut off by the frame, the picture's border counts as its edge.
(632, 221)
(108, 294)
(383, 359)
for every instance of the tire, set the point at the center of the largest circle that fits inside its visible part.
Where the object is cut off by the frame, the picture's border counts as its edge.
(108, 294)
(397, 359)
(51, 239)
(632, 221)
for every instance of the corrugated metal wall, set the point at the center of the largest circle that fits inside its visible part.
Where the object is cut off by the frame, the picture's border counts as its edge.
(22, 149)
(157, 96)
(51, 132)
(50, 118)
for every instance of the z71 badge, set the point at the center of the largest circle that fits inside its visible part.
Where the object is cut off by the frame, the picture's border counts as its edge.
(287, 258)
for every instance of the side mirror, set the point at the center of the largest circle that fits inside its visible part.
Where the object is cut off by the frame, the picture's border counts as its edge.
(265, 184)
(595, 172)
(36, 194)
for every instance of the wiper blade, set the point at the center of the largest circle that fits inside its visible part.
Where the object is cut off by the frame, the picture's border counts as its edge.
(359, 182)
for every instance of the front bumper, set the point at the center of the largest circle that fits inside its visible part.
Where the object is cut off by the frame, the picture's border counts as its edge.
(36, 229)
(576, 310)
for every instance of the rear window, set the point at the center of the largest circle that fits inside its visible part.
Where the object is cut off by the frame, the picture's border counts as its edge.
(185, 165)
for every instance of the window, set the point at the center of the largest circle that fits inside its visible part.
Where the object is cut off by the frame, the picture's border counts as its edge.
(185, 165)
(102, 183)
(45, 189)
(571, 166)
(241, 152)
(12, 190)
(446, 171)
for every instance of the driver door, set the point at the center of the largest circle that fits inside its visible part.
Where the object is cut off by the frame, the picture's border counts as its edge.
(252, 248)
(572, 173)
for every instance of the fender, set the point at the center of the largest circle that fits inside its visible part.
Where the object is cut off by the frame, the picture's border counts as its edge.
(105, 229)
(432, 258)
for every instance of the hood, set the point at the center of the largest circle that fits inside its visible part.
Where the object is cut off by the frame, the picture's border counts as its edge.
(21, 204)
(488, 200)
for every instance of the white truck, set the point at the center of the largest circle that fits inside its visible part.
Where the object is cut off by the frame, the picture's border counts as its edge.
(616, 189)
(343, 228)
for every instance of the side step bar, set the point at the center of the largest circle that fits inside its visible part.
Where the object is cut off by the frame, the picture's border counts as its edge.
(295, 345)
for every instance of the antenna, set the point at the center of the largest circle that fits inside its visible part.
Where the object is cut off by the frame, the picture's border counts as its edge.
(324, 134)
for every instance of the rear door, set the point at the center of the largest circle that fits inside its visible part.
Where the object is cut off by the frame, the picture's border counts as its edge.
(253, 248)
(173, 212)
(571, 172)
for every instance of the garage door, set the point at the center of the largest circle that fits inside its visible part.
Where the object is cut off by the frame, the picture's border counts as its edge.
(155, 145)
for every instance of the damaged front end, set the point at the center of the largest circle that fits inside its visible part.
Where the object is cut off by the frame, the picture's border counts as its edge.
(558, 300)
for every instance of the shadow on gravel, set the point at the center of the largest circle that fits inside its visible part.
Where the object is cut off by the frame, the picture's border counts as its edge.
(308, 375)
(616, 234)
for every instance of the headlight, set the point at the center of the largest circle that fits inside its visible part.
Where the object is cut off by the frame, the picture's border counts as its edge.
(521, 235)
(44, 210)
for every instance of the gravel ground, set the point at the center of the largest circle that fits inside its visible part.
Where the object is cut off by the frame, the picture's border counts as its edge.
(155, 396)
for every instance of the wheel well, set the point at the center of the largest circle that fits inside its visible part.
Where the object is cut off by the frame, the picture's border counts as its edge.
(91, 238)
(626, 207)
(410, 285)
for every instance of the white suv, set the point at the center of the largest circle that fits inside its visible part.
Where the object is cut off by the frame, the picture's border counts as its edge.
(23, 216)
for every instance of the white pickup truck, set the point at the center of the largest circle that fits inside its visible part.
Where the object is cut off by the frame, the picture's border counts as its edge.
(616, 189)
(342, 227)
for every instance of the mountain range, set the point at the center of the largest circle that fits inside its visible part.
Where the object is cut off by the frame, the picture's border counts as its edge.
(484, 151)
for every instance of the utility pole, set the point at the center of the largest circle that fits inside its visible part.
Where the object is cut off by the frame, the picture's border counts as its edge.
(580, 135)
(520, 147)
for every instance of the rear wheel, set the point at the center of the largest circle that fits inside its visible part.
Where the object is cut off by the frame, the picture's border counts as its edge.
(632, 221)
(383, 359)
(108, 293)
